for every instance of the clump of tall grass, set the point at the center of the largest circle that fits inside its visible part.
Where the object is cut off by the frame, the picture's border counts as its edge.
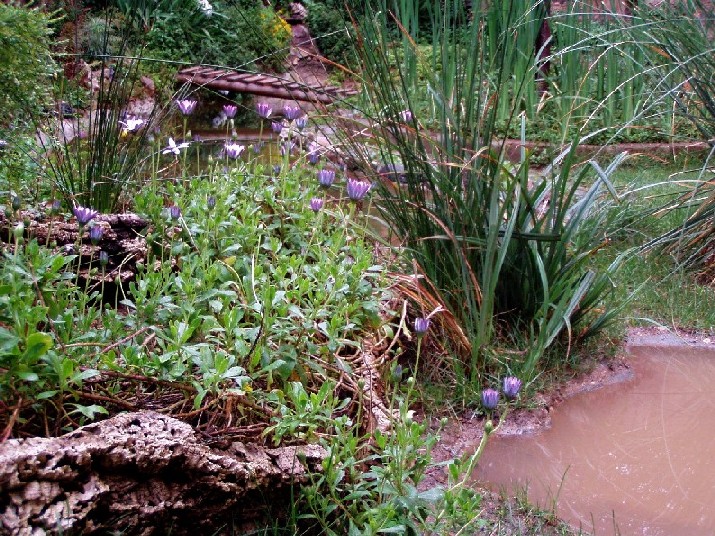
(92, 152)
(504, 249)
(680, 40)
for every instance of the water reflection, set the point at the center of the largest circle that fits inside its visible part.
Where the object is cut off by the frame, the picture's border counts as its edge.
(632, 458)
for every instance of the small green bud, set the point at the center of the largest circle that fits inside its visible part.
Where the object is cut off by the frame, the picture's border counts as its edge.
(488, 427)
(18, 231)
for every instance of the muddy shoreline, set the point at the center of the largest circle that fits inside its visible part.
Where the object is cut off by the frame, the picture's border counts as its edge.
(462, 434)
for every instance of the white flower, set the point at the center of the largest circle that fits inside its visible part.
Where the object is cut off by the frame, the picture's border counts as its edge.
(173, 148)
(131, 125)
(205, 6)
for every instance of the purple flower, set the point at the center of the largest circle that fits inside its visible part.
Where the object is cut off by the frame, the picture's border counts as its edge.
(263, 110)
(301, 122)
(211, 202)
(229, 110)
(326, 177)
(174, 212)
(277, 126)
(56, 206)
(103, 258)
(276, 169)
(186, 106)
(313, 157)
(406, 116)
(233, 150)
(258, 147)
(84, 215)
(357, 189)
(490, 398)
(291, 112)
(95, 234)
(316, 204)
(421, 325)
(512, 385)
(287, 148)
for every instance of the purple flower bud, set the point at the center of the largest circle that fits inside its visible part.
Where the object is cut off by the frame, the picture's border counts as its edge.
(313, 157)
(103, 258)
(211, 202)
(287, 148)
(95, 234)
(276, 169)
(512, 385)
(277, 126)
(421, 325)
(301, 122)
(174, 212)
(406, 116)
(490, 398)
(233, 150)
(186, 106)
(291, 112)
(258, 147)
(84, 215)
(229, 110)
(316, 204)
(326, 177)
(357, 189)
(263, 110)
(56, 206)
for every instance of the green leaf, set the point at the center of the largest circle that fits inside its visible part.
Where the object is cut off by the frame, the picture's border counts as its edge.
(37, 345)
(89, 411)
(28, 376)
(8, 341)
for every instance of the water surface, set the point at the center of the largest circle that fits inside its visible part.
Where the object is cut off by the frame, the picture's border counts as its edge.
(635, 458)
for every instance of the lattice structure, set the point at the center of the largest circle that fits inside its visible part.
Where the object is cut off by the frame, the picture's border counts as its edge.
(259, 84)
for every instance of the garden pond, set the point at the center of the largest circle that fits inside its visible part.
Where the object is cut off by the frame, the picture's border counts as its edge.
(635, 457)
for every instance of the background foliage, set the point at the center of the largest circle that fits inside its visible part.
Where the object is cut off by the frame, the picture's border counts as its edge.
(26, 63)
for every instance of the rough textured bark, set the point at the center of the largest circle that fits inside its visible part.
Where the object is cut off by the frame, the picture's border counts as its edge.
(143, 473)
(122, 239)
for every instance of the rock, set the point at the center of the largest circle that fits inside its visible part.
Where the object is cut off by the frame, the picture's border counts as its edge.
(143, 473)
(298, 12)
(149, 86)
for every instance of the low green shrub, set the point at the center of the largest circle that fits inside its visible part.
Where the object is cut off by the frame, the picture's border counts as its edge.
(26, 64)
(232, 36)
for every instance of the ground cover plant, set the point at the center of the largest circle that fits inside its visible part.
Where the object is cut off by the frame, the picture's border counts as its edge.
(260, 293)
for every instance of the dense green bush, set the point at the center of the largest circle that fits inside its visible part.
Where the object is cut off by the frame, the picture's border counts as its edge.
(232, 36)
(26, 65)
(330, 25)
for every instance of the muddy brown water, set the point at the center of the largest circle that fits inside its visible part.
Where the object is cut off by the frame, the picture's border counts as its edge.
(634, 458)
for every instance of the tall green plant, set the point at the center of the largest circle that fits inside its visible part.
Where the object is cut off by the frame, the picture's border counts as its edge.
(92, 155)
(505, 251)
(682, 34)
